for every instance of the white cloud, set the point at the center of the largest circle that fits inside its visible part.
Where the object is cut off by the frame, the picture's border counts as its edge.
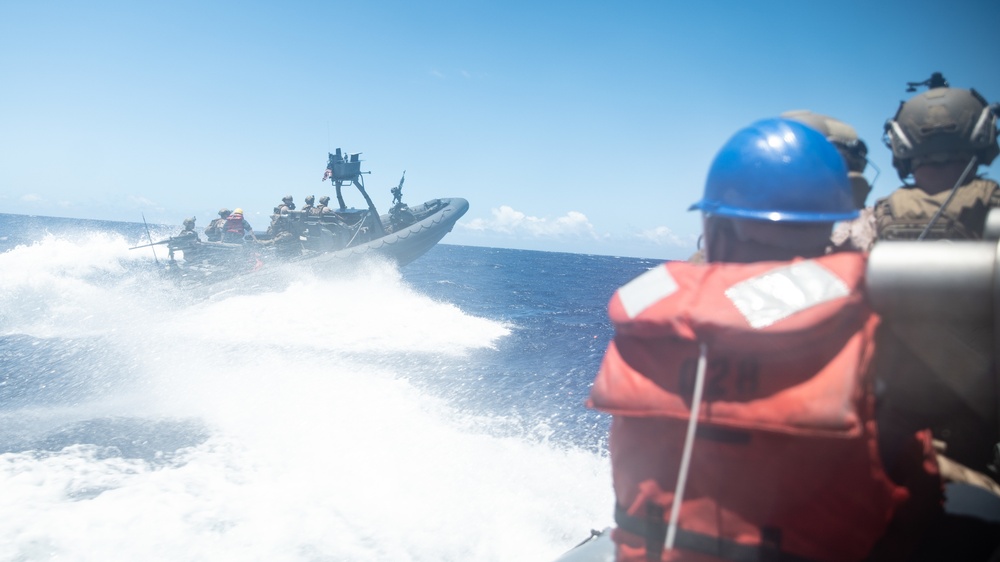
(466, 74)
(663, 236)
(436, 73)
(139, 201)
(507, 220)
(30, 198)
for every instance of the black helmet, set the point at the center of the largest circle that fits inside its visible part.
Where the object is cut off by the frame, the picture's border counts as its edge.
(942, 124)
(310, 199)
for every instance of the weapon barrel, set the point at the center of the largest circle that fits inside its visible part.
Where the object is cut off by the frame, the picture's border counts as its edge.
(940, 280)
(167, 241)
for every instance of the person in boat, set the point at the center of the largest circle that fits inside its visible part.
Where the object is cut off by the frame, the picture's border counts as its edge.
(213, 232)
(188, 234)
(744, 420)
(285, 240)
(236, 227)
(309, 208)
(940, 137)
(287, 204)
(857, 234)
(324, 205)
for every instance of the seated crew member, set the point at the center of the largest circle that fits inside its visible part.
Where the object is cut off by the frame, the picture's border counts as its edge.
(236, 227)
(857, 234)
(744, 422)
(940, 137)
(188, 234)
(213, 232)
(285, 241)
(309, 208)
(324, 205)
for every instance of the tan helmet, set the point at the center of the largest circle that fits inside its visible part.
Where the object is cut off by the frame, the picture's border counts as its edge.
(224, 212)
(851, 148)
(942, 124)
(324, 200)
(189, 222)
(286, 199)
(310, 199)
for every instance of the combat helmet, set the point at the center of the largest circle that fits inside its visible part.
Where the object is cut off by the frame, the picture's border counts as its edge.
(941, 124)
(189, 223)
(310, 199)
(286, 199)
(845, 138)
(324, 200)
(224, 212)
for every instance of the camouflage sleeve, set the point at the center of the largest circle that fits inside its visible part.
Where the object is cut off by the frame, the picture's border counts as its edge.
(858, 235)
(882, 217)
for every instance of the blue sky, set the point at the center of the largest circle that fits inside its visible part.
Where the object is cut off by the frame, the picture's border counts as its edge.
(569, 126)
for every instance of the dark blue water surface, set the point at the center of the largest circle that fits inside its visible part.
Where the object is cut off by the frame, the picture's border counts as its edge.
(557, 305)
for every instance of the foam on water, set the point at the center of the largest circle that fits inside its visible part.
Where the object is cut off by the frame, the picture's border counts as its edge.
(279, 425)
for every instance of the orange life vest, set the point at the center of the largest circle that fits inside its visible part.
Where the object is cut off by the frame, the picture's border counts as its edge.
(784, 464)
(235, 223)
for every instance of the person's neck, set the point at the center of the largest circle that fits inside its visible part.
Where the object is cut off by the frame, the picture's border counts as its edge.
(935, 178)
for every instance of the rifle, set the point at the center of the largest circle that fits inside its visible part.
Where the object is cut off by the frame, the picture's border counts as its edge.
(167, 241)
(397, 192)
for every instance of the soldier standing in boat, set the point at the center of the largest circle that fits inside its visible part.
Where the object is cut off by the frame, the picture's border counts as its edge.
(213, 232)
(324, 206)
(774, 337)
(940, 137)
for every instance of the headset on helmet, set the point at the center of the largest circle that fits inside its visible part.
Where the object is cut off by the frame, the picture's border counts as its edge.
(778, 170)
(941, 122)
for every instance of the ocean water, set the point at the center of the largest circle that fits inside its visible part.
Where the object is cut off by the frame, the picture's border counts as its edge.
(428, 413)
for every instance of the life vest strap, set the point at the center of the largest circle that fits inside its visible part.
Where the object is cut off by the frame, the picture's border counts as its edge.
(653, 528)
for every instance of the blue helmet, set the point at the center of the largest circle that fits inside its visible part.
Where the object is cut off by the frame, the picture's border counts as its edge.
(778, 170)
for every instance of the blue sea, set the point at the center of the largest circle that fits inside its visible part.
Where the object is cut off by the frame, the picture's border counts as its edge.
(433, 412)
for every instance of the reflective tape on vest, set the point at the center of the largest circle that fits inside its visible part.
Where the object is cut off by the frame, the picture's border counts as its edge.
(645, 290)
(780, 293)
